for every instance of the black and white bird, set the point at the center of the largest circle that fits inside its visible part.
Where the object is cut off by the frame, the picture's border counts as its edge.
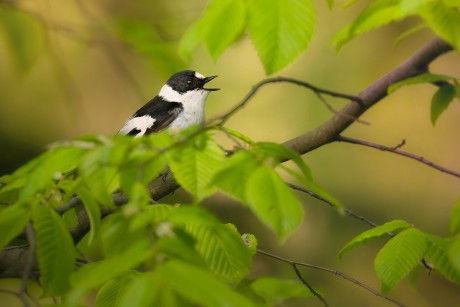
(180, 104)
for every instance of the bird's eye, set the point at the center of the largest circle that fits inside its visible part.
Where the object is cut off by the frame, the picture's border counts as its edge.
(189, 82)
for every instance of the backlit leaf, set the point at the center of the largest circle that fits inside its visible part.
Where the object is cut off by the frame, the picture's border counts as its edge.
(399, 257)
(200, 286)
(419, 79)
(441, 100)
(281, 30)
(273, 201)
(13, 220)
(194, 167)
(375, 232)
(55, 250)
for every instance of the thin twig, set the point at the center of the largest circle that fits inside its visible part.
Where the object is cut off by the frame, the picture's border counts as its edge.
(29, 265)
(315, 293)
(347, 211)
(398, 151)
(335, 272)
(317, 90)
(331, 108)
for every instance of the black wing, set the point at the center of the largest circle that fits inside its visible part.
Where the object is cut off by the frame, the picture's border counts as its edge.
(163, 112)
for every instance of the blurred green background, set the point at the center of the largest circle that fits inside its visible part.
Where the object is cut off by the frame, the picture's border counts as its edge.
(71, 68)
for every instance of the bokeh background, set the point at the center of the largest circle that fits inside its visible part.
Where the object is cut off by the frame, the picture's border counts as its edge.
(84, 67)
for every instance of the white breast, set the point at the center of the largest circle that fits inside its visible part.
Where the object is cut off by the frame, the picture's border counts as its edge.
(193, 103)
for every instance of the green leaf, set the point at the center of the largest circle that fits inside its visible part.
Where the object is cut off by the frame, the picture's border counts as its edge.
(113, 292)
(454, 257)
(330, 4)
(455, 218)
(273, 201)
(220, 246)
(145, 290)
(408, 33)
(99, 173)
(94, 274)
(55, 250)
(221, 24)
(43, 169)
(422, 78)
(281, 30)
(375, 15)
(441, 100)
(199, 286)
(374, 233)
(236, 169)
(194, 167)
(399, 257)
(92, 210)
(275, 289)
(439, 255)
(281, 153)
(444, 21)
(13, 219)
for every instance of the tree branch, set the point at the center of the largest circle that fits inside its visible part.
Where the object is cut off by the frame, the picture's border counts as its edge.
(325, 133)
(397, 151)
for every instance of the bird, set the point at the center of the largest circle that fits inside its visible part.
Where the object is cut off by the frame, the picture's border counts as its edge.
(179, 105)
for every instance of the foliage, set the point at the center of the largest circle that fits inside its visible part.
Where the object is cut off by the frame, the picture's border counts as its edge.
(174, 246)
(152, 253)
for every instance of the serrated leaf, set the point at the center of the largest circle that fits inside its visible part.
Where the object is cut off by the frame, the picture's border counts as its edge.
(96, 273)
(221, 247)
(99, 173)
(455, 218)
(41, 170)
(375, 15)
(280, 31)
(374, 233)
(444, 21)
(13, 219)
(441, 100)
(422, 78)
(55, 250)
(438, 255)
(221, 24)
(274, 289)
(399, 257)
(194, 168)
(273, 201)
(92, 210)
(113, 292)
(234, 172)
(199, 286)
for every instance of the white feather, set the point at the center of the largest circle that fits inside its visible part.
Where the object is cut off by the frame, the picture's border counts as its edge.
(193, 103)
(141, 123)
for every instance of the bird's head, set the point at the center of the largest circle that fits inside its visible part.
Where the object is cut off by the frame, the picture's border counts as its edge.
(189, 80)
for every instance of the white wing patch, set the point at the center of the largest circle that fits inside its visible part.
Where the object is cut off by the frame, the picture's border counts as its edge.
(199, 76)
(141, 123)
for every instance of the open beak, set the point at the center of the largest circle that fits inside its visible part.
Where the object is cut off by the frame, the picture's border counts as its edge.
(206, 80)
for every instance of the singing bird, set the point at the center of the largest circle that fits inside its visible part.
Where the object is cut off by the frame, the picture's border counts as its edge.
(179, 104)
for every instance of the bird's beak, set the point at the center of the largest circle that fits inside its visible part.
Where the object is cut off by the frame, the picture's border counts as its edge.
(206, 80)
